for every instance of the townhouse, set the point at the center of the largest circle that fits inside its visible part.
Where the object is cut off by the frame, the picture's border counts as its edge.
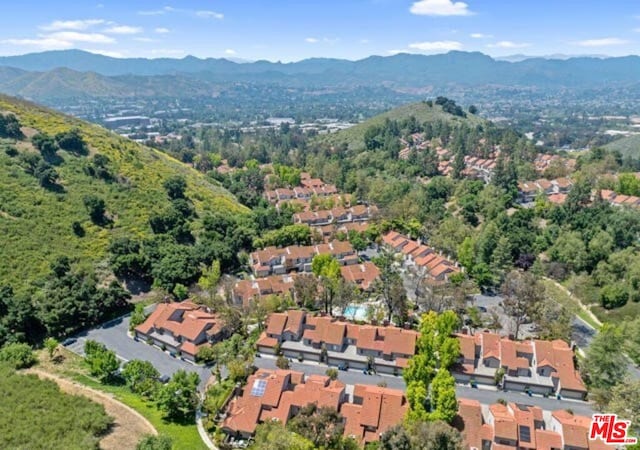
(280, 394)
(557, 188)
(421, 257)
(518, 426)
(322, 338)
(618, 199)
(181, 328)
(362, 275)
(337, 215)
(247, 290)
(278, 261)
(542, 367)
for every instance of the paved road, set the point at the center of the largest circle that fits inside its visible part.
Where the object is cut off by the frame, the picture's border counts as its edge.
(484, 396)
(114, 335)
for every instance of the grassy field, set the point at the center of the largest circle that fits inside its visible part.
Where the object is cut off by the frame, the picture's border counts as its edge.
(36, 223)
(35, 414)
(568, 301)
(354, 136)
(72, 367)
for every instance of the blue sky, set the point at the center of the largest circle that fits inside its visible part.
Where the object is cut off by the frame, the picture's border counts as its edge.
(294, 30)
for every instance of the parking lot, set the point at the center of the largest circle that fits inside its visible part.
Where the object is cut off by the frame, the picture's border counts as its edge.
(113, 335)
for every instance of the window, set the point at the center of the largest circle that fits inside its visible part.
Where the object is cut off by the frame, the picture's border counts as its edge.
(525, 433)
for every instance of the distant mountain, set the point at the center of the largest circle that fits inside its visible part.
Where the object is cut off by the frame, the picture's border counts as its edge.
(402, 70)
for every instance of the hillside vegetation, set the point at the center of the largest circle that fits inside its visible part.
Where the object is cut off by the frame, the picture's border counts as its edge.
(354, 137)
(628, 146)
(35, 414)
(39, 224)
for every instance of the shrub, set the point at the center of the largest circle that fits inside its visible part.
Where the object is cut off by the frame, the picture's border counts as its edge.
(332, 373)
(150, 442)
(19, 355)
(282, 362)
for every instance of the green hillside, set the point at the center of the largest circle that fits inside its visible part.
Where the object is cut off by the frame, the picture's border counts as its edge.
(422, 111)
(628, 146)
(36, 224)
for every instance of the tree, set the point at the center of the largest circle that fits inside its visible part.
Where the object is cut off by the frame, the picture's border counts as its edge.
(51, 344)
(18, 355)
(605, 365)
(102, 362)
(306, 290)
(613, 296)
(631, 331)
(282, 362)
(71, 141)
(179, 397)
(624, 401)
(152, 442)
(522, 293)
(271, 435)
(390, 287)
(137, 316)
(210, 278)
(327, 268)
(421, 435)
(141, 377)
(444, 405)
(175, 186)
(180, 291)
(322, 426)
(95, 207)
(553, 319)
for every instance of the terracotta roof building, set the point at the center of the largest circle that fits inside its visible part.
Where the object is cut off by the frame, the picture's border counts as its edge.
(544, 367)
(357, 346)
(280, 394)
(181, 327)
(519, 426)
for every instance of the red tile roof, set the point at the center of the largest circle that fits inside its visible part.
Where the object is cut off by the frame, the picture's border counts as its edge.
(185, 319)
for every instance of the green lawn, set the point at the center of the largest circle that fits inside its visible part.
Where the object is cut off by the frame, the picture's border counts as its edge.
(569, 302)
(184, 436)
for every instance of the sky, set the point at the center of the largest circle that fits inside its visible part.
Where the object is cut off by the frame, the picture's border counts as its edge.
(278, 30)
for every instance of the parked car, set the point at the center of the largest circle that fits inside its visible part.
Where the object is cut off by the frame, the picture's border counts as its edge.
(164, 379)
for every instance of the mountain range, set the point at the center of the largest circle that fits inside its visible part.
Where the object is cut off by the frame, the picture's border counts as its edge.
(75, 72)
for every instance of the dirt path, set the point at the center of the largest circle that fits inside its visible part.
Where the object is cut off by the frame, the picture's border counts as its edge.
(129, 426)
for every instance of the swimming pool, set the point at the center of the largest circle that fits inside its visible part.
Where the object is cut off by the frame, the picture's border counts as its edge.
(355, 312)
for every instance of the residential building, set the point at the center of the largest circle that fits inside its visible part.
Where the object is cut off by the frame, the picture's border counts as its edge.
(521, 426)
(337, 342)
(247, 290)
(278, 261)
(280, 394)
(421, 257)
(543, 367)
(363, 275)
(181, 328)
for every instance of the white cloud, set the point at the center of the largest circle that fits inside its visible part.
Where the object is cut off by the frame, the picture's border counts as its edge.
(604, 42)
(144, 39)
(480, 36)
(440, 8)
(110, 53)
(74, 36)
(77, 25)
(157, 12)
(396, 52)
(637, 30)
(210, 15)
(123, 29)
(431, 46)
(230, 52)
(43, 43)
(509, 44)
(365, 41)
(162, 30)
(312, 40)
